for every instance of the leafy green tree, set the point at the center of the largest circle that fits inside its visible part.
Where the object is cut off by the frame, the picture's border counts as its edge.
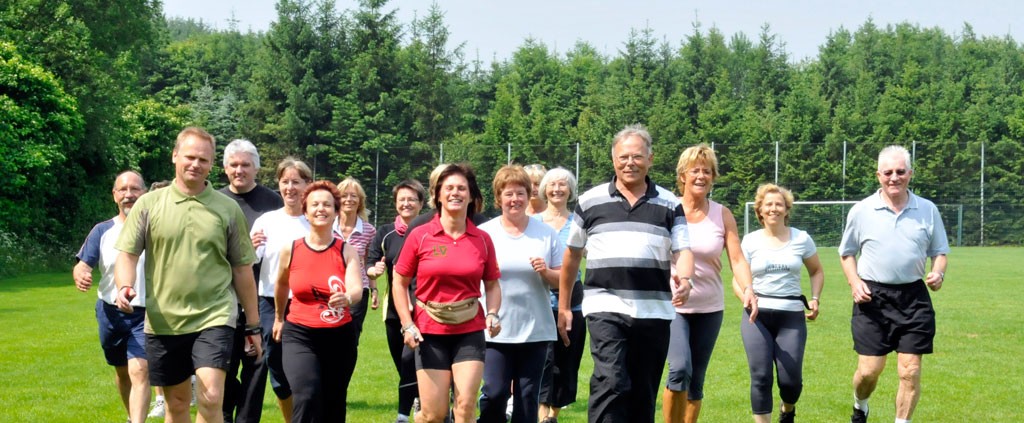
(39, 124)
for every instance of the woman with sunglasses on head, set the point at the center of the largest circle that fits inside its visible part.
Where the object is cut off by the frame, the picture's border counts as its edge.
(354, 227)
(316, 328)
(774, 328)
(536, 172)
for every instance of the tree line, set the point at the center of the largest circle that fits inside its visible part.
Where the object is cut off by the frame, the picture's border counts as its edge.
(92, 87)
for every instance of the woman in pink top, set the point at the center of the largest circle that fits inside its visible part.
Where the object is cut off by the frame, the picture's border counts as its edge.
(711, 228)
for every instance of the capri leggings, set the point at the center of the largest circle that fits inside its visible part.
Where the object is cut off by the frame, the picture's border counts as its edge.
(777, 337)
(689, 351)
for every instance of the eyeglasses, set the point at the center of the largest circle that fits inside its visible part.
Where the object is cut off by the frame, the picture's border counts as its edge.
(636, 158)
(899, 172)
(126, 190)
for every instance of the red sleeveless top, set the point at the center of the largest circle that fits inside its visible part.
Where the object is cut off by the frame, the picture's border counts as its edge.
(313, 276)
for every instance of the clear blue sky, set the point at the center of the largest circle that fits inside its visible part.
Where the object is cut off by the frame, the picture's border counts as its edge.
(495, 28)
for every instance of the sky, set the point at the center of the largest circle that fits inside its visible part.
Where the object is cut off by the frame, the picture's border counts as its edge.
(493, 29)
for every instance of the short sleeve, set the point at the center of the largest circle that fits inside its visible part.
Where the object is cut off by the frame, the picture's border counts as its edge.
(132, 239)
(491, 271)
(850, 244)
(408, 259)
(680, 232)
(90, 251)
(556, 250)
(939, 241)
(240, 251)
(577, 233)
(809, 248)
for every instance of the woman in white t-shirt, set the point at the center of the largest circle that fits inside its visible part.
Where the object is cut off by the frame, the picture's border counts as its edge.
(270, 233)
(529, 256)
(774, 330)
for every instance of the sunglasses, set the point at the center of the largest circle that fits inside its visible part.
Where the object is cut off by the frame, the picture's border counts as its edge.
(899, 172)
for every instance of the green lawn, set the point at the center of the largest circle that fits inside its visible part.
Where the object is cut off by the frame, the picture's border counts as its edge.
(52, 370)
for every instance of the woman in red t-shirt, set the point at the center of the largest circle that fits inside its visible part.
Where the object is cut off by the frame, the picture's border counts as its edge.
(317, 338)
(449, 257)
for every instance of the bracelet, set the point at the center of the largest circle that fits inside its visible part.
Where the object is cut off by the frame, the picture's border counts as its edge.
(407, 328)
(256, 330)
(942, 276)
(813, 298)
(374, 289)
(492, 314)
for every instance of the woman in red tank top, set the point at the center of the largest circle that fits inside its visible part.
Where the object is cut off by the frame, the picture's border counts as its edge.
(317, 340)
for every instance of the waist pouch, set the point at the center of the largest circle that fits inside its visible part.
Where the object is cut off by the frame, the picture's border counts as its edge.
(801, 298)
(451, 313)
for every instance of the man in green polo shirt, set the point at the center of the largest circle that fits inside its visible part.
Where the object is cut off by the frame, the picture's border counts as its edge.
(198, 264)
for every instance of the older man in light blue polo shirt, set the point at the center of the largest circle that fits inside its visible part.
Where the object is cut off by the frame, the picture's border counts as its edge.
(894, 231)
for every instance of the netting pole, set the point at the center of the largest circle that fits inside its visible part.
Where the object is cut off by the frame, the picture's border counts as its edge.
(441, 154)
(508, 153)
(376, 190)
(960, 225)
(913, 153)
(776, 162)
(844, 171)
(577, 162)
(711, 194)
(982, 229)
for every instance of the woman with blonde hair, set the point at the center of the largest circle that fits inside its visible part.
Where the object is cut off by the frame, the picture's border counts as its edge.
(775, 333)
(270, 234)
(536, 172)
(712, 228)
(353, 227)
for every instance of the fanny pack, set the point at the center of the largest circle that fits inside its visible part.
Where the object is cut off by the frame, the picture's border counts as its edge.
(451, 313)
(801, 298)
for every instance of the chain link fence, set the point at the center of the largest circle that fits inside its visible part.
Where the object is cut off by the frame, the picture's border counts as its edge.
(980, 196)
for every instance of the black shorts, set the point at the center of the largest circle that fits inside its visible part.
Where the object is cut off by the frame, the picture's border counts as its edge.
(439, 352)
(175, 358)
(898, 318)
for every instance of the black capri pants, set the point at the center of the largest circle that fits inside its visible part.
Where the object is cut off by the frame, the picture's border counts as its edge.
(318, 363)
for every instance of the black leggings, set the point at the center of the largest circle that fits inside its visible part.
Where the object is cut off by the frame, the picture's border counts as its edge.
(319, 364)
(562, 365)
(405, 364)
(776, 339)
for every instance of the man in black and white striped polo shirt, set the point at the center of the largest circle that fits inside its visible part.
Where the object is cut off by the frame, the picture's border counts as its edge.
(632, 231)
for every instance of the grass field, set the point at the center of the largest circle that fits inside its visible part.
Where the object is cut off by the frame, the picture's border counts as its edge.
(52, 369)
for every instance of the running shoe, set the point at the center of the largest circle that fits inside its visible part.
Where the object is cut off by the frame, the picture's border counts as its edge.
(859, 416)
(158, 409)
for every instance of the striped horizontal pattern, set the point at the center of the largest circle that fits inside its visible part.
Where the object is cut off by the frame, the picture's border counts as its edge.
(629, 250)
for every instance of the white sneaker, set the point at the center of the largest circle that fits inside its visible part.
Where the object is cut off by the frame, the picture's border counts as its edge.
(508, 409)
(157, 410)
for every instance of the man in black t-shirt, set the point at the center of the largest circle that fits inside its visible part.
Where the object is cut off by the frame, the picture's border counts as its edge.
(243, 399)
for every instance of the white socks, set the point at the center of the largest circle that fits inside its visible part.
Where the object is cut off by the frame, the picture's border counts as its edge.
(902, 420)
(860, 404)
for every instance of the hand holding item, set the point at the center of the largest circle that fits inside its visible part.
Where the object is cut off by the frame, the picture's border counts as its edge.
(125, 295)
